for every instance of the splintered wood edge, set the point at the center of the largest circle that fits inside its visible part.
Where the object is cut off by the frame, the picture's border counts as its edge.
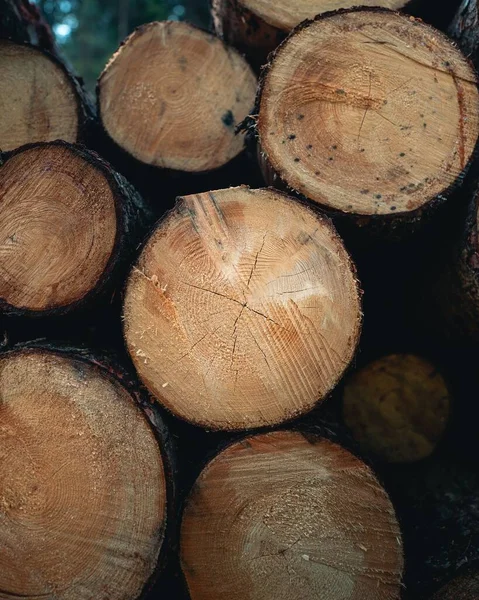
(299, 509)
(112, 554)
(176, 353)
(397, 407)
(285, 15)
(199, 93)
(56, 288)
(28, 121)
(299, 169)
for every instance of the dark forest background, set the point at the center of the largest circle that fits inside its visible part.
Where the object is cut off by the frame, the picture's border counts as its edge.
(89, 31)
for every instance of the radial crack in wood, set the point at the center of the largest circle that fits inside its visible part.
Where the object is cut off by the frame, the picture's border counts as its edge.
(243, 309)
(290, 517)
(82, 483)
(173, 95)
(368, 113)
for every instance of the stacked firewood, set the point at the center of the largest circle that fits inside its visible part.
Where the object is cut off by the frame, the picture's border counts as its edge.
(251, 268)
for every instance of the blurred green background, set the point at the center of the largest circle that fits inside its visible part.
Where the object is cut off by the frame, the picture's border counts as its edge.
(89, 31)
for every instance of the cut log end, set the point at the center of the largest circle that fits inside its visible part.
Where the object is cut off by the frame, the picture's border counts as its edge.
(82, 494)
(397, 407)
(285, 15)
(243, 310)
(173, 95)
(301, 515)
(58, 227)
(39, 101)
(379, 124)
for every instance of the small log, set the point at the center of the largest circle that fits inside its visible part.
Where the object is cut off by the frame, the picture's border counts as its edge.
(41, 100)
(382, 144)
(256, 27)
(84, 478)
(297, 514)
(68, 226)
(397, 407)
(22, 21)
(172, 96)
(243, 309)
(463, 587)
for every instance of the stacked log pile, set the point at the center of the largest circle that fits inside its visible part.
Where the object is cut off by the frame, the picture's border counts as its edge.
(239, 307)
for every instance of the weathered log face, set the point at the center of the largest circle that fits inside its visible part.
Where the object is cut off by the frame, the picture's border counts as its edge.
(397, 407)
(39, 99)
(82, 483)
(243, 309)
(285, 516)
(172, 96)
(64, 222)
(380, 126)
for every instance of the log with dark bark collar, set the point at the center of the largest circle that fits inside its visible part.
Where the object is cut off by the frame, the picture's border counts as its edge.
(243, 309)
(296, 513)
(41, 100)
(85, 477)
(380, 129)
(172, 96)
(68, 225)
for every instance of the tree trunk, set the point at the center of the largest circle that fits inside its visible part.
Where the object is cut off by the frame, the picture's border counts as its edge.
(357, 141)
(397, 408)
(72, 486)
(41, 100)
(465, 29)
(243, 309)
(69, 227)
(297, 511)
(172, 96)
(257, 27)
(22, 21)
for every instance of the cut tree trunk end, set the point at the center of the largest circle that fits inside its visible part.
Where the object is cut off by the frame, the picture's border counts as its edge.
(243, 310)
(381, 143)
(463, 587)
(397, 407)
(172, 96)
(64, 222)
(71, 486)
(41, 101)
(287, 516)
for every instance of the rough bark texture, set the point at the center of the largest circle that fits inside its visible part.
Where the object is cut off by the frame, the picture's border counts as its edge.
(398, 223)
(22, 21)
(463, 587)
(133, 219)
(465, 29)
(109, 366)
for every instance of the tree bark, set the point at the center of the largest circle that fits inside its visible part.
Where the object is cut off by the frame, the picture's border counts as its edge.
(91, 222)
(298, 508)
(86, 414)
(465, 29)
(267, 301)
(463, 587)
(22, 21)
(353, 145)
